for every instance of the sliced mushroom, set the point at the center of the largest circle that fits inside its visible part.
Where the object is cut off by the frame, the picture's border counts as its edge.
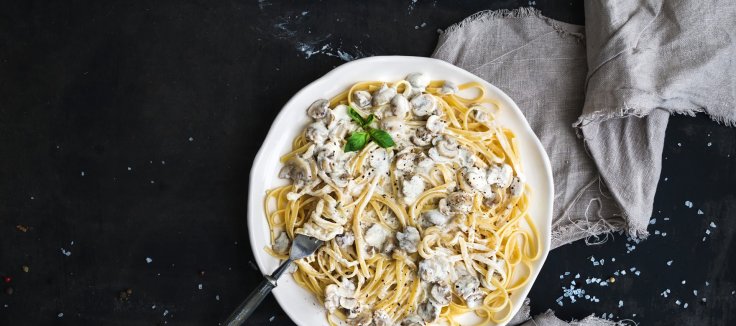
(378, 159)
(348, 303)
(428, 311)
(319, 109)
(418, 80)
(405, 162)
(281, 243)
(460, 202)
(394, 126)
(383, 95)
(434, 269)
(345, 239)
(448, 88)
(436, 217)
(423, 105)
(479, 113)
(422, 137)
(399, 106)
(316, 132)
(440, 294)
(435, 124)
(445, 147)
(381, 318)
(467, 287)
(478, 180)
(412, 320)
(500, 175)
(362, 99)
(411, 188)
(408, 239)
(298, 170)
(516, 188)
(361, 318)
(327, 158)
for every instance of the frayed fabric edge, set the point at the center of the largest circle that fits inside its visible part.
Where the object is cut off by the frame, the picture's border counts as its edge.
(640, 112)
(485, 16)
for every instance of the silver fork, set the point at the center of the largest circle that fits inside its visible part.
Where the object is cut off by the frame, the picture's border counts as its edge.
(302, 246)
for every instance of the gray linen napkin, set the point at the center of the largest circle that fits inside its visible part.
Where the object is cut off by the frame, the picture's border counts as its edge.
(601, 112)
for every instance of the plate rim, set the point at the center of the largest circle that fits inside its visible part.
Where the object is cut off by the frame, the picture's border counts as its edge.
(252, 200)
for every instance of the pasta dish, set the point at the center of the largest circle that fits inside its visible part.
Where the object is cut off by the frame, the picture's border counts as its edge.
(419, 196)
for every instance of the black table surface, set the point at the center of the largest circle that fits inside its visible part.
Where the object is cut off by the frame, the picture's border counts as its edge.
(127, 131)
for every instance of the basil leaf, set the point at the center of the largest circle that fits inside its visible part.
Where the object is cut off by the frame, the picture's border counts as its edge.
(355, 116)
(356, 141)
(381, 138)
(370, 119)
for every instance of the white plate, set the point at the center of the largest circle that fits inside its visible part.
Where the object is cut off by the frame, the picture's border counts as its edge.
(299, 304)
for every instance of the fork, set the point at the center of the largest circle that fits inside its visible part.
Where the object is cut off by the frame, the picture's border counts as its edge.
(302, 246)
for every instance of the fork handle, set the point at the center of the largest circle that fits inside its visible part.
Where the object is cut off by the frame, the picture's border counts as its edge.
(252, 302)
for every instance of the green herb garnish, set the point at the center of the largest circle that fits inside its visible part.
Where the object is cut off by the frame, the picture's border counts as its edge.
(358, 140)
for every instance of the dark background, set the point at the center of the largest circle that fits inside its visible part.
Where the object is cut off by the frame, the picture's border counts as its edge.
(127, 131)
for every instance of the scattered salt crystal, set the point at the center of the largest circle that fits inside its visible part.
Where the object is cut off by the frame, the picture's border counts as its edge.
(695, 293)
(217, 297)
(632, 269)
(567, 273)
(683, 281)
(679, 145)
(707, 231)
(61, 314)
(669, 263)
(710, 144)
(65, 252)
(666, 218)
(685, 305)
(653, 221)
(603, 283)
(163, 162)
(82, 173)
(166, 312)
(689, 204)
(664, 234)
(620, 303)
(678, 302)
(623, 272)
(149, 260)
(666, 178)
(615, 273)
(153, 181)
(613, 259)
(703, 239)
(602, 261)
(713, 225)
(656, 232)
(191, 138)
(271, 319)
(637, 273)
(595, 263)
(707, 283)
(153, 307)
(561, 277)
(199, 286)
(733, 292)
(703, 299)
(700, 212)
(587, 296)
(577, 275)
(130, 169)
